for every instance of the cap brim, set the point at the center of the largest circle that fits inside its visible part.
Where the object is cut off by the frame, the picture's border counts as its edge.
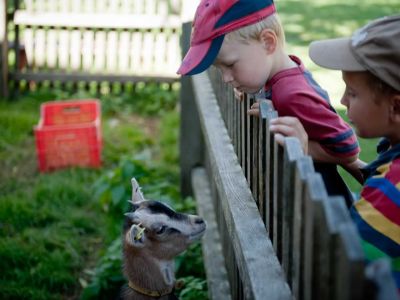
(200, 57)
(335, 54)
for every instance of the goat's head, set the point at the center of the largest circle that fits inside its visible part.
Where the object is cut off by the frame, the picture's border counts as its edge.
(163, 232)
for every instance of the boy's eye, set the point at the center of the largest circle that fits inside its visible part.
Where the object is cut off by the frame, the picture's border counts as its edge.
(350, 93)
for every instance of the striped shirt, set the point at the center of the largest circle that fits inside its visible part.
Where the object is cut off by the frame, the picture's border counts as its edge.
(377, 212)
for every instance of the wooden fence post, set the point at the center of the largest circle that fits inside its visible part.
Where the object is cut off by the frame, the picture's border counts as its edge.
(3, 50)
(191, 142)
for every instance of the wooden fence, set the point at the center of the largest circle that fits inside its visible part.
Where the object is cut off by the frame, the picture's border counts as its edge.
(93, 40)
(273, 232)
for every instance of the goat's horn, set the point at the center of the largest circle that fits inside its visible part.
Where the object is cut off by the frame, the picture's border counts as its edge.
(137, 195)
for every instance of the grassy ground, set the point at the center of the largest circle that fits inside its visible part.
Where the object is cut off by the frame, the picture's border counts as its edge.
(60, 231)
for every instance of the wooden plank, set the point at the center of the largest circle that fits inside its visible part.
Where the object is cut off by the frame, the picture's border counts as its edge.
(191, 145)
(88, 77)
(111, 48)
(123, 52)
(40, 47)
(63, 54)
(173, 51)
(100, 51)
(75, 50)
(148, 51)
(51, 49)
(88, 50)
(135, 52)
(277, 174)
(217, 277)
(350, 264)
(259, 269)
(262, 165)
(382, 285)
(304, 167)
(95, 20)
(336, 213)
(3, 49)
(315, 194)
(292, 152)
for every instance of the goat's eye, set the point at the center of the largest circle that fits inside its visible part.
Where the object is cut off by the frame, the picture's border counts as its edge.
(161, 229)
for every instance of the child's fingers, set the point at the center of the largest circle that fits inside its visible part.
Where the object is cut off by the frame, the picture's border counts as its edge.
(279, 138)
(290, 126)
(238, 94)
(254, 109)
(253, 112)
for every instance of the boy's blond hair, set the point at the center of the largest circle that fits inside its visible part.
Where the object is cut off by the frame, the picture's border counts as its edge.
(253, 31)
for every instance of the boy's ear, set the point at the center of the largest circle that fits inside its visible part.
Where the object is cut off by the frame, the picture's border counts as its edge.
(269, 40)
(395, 108)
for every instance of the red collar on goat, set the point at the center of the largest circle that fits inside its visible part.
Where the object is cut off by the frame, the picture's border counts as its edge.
(149, 292)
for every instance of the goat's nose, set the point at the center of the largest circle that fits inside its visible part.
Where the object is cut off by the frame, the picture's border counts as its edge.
(198, 220)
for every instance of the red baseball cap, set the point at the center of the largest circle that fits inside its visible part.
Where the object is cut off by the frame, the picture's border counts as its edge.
(214, 19)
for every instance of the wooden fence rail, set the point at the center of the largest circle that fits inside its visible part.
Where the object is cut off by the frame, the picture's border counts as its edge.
(94, 40)
(271, 223)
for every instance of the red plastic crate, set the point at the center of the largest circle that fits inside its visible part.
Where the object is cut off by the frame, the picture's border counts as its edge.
(69, 134)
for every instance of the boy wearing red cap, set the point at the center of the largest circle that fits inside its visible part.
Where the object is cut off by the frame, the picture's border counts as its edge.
(370, 65)
(244, 39)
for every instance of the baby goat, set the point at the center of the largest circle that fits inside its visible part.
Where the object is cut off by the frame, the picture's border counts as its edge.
(153, 235)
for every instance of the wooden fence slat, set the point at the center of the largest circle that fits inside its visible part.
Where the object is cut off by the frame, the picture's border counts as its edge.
(123, 52)
(63, 55)
(277, 198)
(292, 153)
(268, 113)
(350, 264)
(51, 49)
(4, 49)
(304, 167)
(218, 287)
(95, 20)
(88, 50)
(336, 213)
(75, 50)
(315, 194)
(191, 143)
(111, 48)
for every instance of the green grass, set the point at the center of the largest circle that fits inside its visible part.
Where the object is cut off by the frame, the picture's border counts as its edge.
(58, 233)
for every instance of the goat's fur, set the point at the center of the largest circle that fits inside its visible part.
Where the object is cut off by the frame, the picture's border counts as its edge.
(153, 235)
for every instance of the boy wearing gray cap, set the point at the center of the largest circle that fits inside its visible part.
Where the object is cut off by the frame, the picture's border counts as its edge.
(370, 64)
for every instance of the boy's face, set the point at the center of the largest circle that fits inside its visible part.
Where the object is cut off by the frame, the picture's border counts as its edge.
(369, 116)
(246, 66)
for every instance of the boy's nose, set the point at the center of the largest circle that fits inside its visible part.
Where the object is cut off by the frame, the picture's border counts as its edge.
(227, 76)
(344, 101)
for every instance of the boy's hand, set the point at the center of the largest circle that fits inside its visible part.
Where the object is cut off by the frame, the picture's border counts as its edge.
(239, 95)
(354, 169)
(254, 109)
(289, 126)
